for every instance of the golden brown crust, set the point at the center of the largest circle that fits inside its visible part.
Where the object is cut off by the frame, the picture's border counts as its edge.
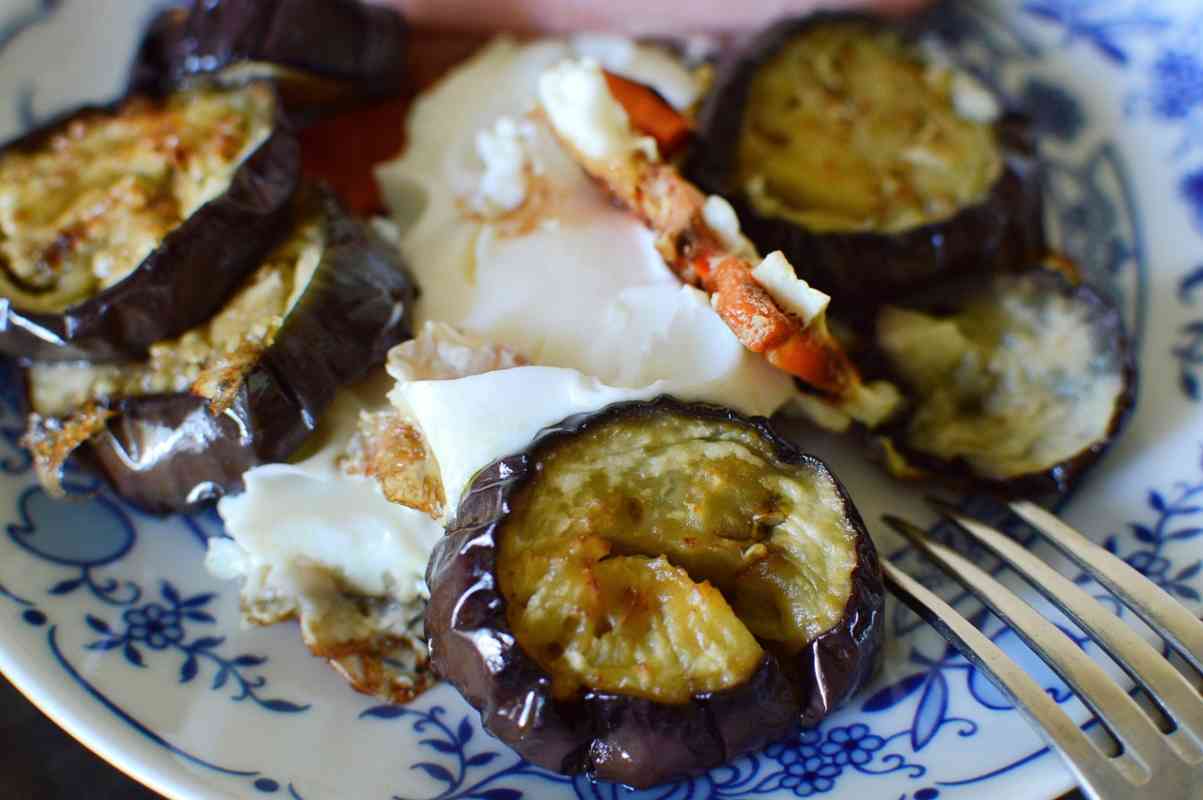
(392, 451)
(51, 441)
(221, 377)
(369, 672)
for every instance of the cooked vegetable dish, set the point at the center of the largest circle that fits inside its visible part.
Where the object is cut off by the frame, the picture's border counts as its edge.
(160, 202)
(83, 211)
(836, 223)
(861, 150)
(847, 128)
(653, 557)
(1024, 382)
(322, 308)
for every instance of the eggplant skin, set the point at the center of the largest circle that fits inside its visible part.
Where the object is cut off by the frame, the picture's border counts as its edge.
(1055, 483)
(1005, 228)
(168, 453)
(182, 282)
(326, 51)
(614, 737)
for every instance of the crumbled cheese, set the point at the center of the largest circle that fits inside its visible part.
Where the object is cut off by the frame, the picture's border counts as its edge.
(972, 100)
(720, 218)
(790, 292)
(504, 150)
(584, 113)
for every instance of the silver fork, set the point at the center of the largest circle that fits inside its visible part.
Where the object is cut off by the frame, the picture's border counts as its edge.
(1155, 759)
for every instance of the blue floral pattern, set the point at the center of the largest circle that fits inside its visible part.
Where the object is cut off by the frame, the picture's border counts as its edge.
(1106, 25)
(805, 764)
(160, 626)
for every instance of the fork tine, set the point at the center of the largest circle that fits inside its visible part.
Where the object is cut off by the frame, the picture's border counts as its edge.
(1154, 605)
(1089, 766)
(1143, 663)
(1118, 712)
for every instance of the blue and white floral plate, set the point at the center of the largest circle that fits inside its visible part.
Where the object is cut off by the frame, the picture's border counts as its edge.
(109, 623)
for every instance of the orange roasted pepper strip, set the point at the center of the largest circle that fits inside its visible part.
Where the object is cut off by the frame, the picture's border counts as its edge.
(672, 207)
(650, 114)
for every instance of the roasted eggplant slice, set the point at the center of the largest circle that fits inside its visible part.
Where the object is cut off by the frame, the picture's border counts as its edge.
(1018, 384)
(652, 590)
(321, 53)
(123, 227)
(245, 388)
(859, 150)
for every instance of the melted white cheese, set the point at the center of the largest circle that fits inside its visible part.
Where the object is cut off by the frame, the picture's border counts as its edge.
(648, 65)
(580, 288)
(295, 517)
(576, 97)
(471, 422)
(584, 288)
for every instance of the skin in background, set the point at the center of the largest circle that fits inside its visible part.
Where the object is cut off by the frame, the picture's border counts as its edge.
(628, 16)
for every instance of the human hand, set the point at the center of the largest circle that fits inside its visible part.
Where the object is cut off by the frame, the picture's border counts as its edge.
(627, 16)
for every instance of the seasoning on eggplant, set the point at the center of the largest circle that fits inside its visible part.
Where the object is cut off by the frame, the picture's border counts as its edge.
(321, 53)
(122, 227)
(1020, 384)
(247, 386)
(870, 159)
(652, 590)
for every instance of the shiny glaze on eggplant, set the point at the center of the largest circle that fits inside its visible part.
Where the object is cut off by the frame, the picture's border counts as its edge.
(863, 268)
(169, 453)
(618, 737)
(322, 53)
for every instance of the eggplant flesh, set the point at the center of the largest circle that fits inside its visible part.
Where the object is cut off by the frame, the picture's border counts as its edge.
(120, 227)
(662, 586)
(321, 53)
(1022, 382)
(249, 385)
(859, 149)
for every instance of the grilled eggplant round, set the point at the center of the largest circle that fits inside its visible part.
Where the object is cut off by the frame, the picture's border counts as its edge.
(126, 226)
(245, 388)
(321, 53)
(853, 145)
(654, 589)
(1017, 385)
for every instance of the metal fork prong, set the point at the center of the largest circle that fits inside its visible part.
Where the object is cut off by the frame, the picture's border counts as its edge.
(1090, 767)
(1151, 603)
(1118, 712)
(1139, 659)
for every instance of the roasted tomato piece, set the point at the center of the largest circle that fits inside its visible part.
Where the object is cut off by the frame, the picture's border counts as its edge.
(123, 227)
(653, 589)
(1019, 383)
(868, 157)
(321, 53)
(244, 388)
